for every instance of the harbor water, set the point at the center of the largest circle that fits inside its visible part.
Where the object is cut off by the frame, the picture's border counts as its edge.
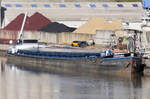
(20, 83)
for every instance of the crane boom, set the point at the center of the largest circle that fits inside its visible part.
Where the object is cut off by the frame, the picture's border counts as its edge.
(23, 23)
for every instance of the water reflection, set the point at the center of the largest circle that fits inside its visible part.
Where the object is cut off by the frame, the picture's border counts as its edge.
(23, 84)
(2, 65)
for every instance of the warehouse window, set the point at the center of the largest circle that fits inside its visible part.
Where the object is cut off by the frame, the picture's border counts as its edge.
(134, 5)
(77, 5)
(92, 5)
(34, 5)
(62, 5)
(18, 5)
(47, 6)
(7, 5)
(120, 5)
(105, 5)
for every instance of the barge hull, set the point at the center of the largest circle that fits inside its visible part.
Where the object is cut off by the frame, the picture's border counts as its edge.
(79, 66)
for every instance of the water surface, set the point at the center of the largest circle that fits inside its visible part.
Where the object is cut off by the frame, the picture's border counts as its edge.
(16, 83)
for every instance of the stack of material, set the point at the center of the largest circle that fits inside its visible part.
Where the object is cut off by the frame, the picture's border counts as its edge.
(33, 23)
(16, 24)
(97, 23)
(36, 22)
(55, 27)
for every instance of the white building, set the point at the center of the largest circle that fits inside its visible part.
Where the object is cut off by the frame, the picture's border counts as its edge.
(73, 13)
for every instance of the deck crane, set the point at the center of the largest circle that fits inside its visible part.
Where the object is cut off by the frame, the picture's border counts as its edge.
(140, 37)
(24, 43)
(19, 38)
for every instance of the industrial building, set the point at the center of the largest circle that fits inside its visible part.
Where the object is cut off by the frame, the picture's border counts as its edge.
(72, 12)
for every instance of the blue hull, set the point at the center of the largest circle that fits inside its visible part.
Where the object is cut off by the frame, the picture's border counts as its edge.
(61, 55)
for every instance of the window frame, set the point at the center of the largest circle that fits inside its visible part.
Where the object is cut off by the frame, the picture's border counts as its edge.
(18, 5)
(62, 5)
(92, 5)
(47, 5)
(105, 5)
(120, 5)
(8, 5)
(77, 5)
(135, 5)
(34, 5)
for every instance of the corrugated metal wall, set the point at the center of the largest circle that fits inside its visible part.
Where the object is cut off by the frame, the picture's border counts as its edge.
(61, 38)
(103, 36)
(69, 37)
(42, 36)
(6, 36)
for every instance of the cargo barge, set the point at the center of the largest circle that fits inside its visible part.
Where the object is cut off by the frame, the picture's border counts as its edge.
(77, 60)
